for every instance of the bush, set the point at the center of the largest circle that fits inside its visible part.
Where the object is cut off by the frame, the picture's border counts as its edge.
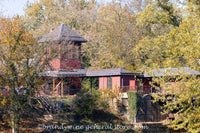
(134, 101)
(85, 102)
(104, 105)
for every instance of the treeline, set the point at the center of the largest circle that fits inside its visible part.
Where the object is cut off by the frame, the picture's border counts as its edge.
(133, 34)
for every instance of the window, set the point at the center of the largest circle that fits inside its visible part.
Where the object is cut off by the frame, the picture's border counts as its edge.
(76, 54)
(70, 52)
(64, 51)
(55, 51)
(109, 83)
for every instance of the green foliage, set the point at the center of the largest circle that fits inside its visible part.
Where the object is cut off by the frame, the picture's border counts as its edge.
(117, 35)
(86, 83)
(104, 105)
(20, 58)
(110, 29)
(134, 101)
(85, 102)
(177, 47)
(46, 14)
(182, 99)
(159, 17)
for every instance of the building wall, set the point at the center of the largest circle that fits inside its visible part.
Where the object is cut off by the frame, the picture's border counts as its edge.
(55, 64)
(62, 62)
(102, 82)
(70, 64)
(116, 81)
(146, 85)
(126, 83)
(133, 85)
(125, 80)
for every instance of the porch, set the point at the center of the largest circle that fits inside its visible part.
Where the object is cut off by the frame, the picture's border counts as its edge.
(61, 83)
(140, 89)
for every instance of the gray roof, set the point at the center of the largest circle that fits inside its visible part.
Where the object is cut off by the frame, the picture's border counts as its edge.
(89, 73)
(62, 33)
(109, 72)
(75, 73)
(171, 72)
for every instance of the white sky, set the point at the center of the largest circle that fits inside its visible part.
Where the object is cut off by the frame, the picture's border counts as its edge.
(9, 8)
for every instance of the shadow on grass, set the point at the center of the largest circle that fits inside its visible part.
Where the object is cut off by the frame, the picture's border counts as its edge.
(99, 116)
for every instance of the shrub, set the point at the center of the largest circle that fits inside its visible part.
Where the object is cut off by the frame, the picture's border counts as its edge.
(134, 100)
(85, 102)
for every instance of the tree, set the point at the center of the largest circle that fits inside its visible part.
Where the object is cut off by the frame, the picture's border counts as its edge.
(176, 48)
(182, 99)
(159, 17)
(110, 29)
(115, 34)
(43, 15)
(20, 65)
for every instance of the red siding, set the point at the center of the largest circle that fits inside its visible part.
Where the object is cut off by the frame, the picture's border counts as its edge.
(65, 64)
(126, 80)
(70, 64)
(133, 85)
(55, 64)
(116, 81)
(102, 82)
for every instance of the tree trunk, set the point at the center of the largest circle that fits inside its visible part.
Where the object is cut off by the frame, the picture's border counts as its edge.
(15, 122)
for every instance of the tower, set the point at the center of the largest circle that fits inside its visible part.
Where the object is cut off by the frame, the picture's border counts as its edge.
(67, 44)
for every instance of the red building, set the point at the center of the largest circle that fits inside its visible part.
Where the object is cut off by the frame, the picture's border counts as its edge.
(64, 73)
(66, 44)
(170, 73)
(115, 77)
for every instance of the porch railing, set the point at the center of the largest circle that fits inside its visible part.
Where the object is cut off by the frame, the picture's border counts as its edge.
(139, 89)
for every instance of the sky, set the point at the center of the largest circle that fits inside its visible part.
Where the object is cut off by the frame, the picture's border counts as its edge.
(9, 8)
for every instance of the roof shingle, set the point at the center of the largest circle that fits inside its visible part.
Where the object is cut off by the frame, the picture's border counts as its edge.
(62, 33)
(89, 73)
(171, 71)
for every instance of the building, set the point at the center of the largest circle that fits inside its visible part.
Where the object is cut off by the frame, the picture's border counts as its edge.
(171, 74)
(115, 78)
(61, 78)
(64, 75)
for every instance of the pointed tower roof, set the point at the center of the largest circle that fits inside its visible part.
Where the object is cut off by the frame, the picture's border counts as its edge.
(62, 33)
